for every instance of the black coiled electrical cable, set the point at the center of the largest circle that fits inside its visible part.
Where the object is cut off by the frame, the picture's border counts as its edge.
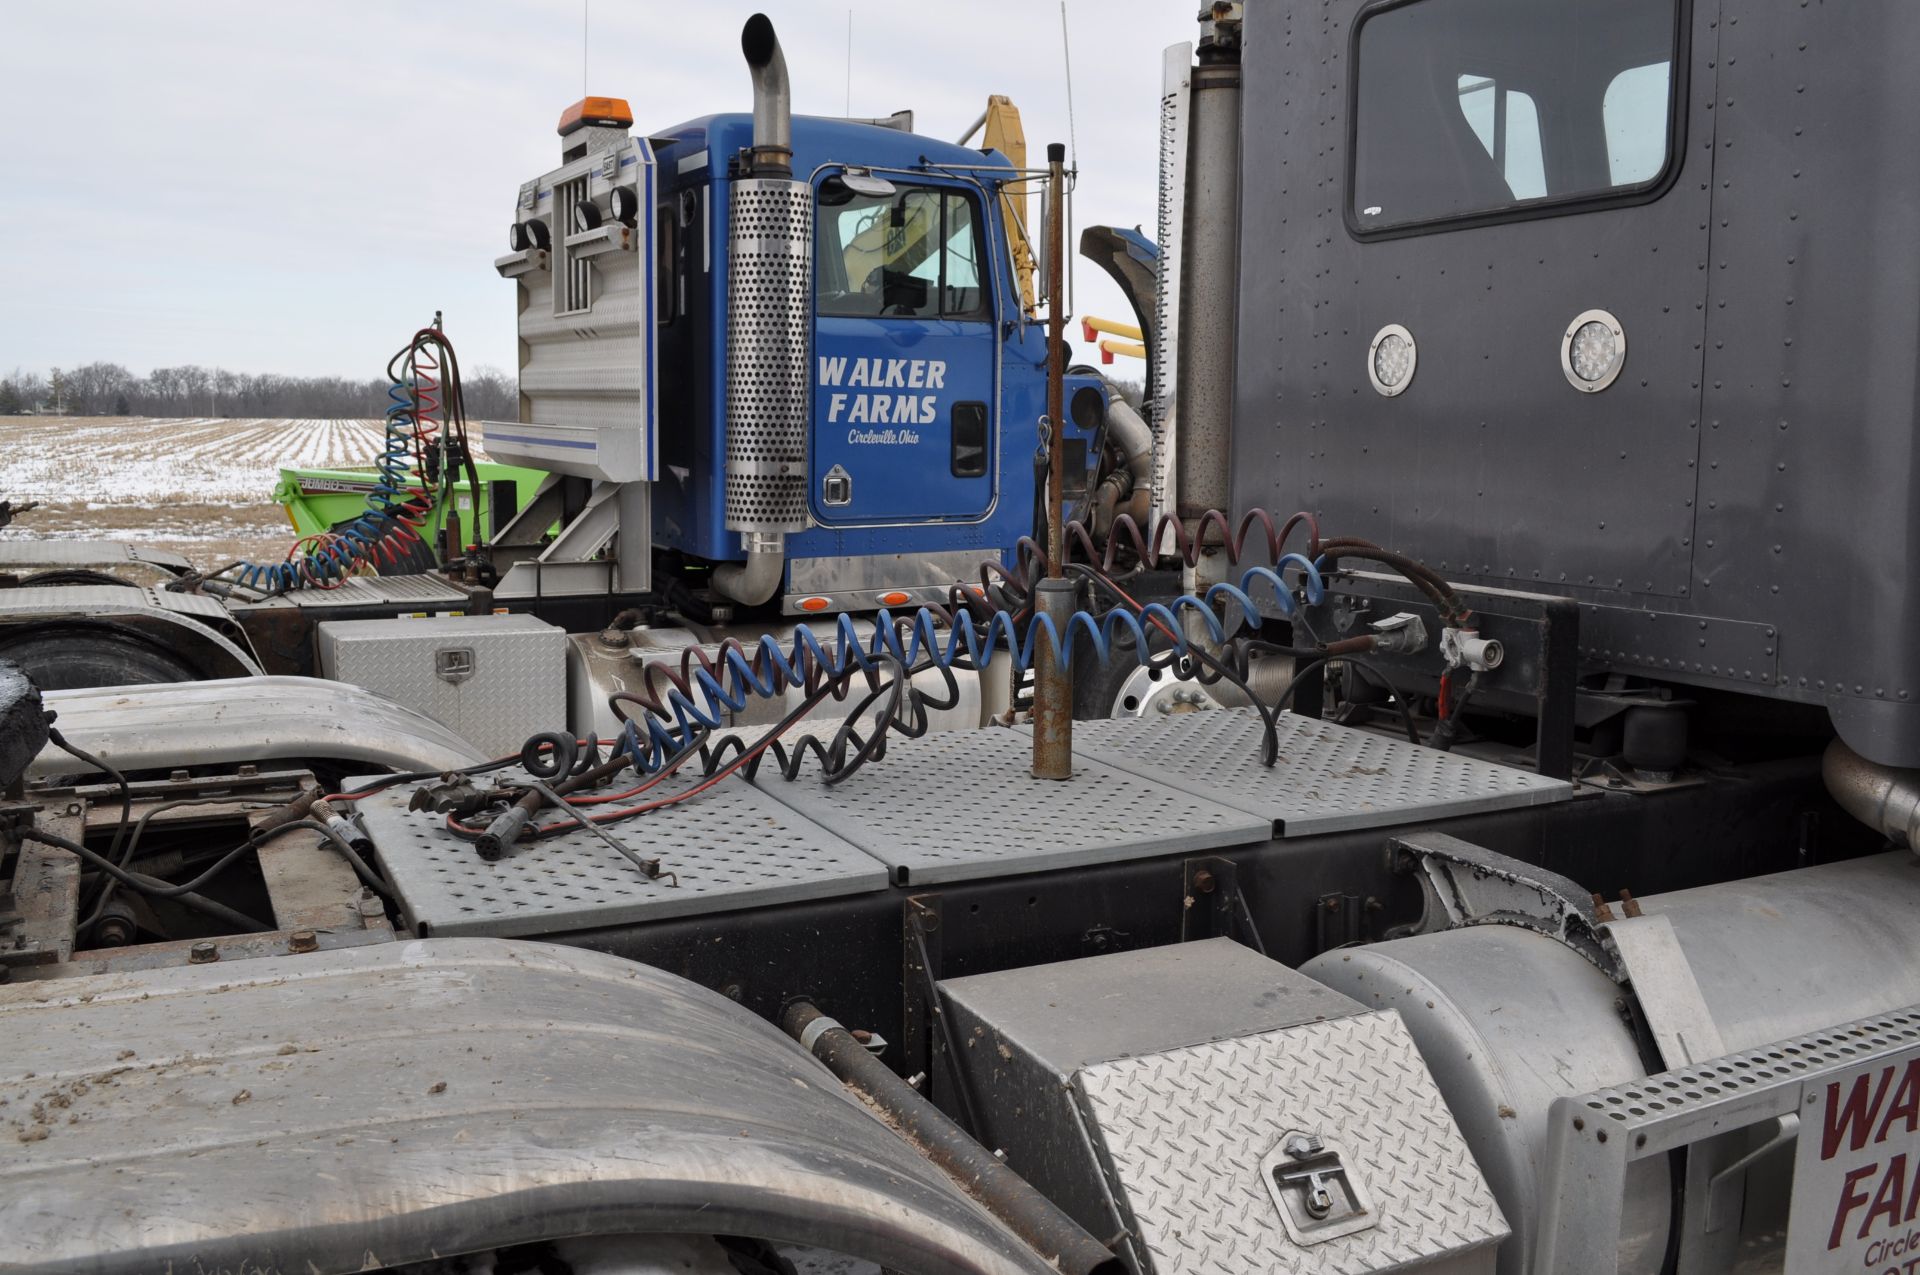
(556, 754)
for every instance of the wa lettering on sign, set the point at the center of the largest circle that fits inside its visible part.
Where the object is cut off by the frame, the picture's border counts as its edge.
(1885, 1191)
(1857, 1172)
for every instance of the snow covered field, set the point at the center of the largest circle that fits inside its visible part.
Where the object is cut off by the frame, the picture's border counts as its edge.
(108, 460)
(200, 487)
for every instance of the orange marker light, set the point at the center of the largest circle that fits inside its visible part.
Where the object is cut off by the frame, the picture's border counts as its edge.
(894, 599)
(610, 112)
(815, 604)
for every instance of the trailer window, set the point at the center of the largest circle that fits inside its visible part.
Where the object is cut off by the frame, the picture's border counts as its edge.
(1636, 113)
(1508, 126)
(913, 254)
(1470, 108)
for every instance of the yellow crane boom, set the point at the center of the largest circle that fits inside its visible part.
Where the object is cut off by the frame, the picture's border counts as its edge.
(1000, 129)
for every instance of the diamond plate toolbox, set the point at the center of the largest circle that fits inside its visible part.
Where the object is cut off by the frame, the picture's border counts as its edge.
(1201, 1145)
(496, 679)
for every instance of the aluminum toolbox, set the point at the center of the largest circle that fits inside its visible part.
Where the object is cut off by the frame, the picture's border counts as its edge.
(495, 679)
(1188, 1100)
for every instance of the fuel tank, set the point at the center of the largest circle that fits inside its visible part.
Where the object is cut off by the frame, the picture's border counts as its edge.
(1509, 1020)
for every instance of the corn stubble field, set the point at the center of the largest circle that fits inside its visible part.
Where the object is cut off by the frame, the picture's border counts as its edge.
(197, 486)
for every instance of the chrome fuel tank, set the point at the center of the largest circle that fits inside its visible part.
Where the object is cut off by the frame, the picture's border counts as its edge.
(1509, 1020)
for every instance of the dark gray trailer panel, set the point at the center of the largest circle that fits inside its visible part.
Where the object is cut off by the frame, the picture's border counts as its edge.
(1748, 478)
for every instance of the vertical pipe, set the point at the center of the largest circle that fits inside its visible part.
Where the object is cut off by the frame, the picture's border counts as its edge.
(772, 97)
(1053, 596)
(1052, 685)
(769, 318)
(1209, 297)
(1056, 371)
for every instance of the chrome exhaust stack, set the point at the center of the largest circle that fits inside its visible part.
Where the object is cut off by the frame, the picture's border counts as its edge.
(769, 289)
(772, 98)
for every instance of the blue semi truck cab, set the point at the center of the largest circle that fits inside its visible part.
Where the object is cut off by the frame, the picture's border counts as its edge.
(774, 362)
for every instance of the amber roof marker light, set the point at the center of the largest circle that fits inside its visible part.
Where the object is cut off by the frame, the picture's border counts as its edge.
(597, 112)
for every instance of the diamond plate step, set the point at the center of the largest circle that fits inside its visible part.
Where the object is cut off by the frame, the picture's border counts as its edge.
(957, 804)
(1328, 777)
(731, 847)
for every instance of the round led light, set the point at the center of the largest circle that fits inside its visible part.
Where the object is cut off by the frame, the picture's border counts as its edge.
(517, 237)
(586, 215)
(1595, 350)
(1592, 351)
(1391, 360)
(625, 204)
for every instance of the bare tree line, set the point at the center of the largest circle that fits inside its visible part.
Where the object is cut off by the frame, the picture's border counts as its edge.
(108, 389)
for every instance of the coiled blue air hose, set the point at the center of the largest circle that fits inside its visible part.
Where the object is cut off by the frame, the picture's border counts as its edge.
(357, 542)
(704, 700)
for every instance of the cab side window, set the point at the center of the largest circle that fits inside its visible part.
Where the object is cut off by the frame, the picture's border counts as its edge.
(913, 254)
(1470, 108)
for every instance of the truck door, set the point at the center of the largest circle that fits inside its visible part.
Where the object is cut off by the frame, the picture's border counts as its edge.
(905, 410)
(1495, 364)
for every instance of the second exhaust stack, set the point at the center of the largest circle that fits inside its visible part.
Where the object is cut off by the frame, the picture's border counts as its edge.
(1209, 266)
(772, 153)
(769, 294)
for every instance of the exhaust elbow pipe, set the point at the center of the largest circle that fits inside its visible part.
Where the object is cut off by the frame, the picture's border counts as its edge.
(755, 581)
(772, 97)
(1885, 798)
(1135, 438)
(1128, 489)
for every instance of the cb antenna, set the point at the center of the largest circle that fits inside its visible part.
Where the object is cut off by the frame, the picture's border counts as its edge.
(1066, 60)
(1073, 140)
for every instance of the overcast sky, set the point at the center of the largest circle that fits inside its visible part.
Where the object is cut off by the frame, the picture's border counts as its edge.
(294, 187)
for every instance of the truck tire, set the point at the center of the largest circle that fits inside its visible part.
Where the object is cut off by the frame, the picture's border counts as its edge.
(1097, 686)
(72, 655)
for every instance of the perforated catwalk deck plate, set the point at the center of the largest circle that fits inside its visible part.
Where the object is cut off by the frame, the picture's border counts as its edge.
(963, 803)
(364, 591)
(1327, 778)
(731, 847)
(1185, 1132)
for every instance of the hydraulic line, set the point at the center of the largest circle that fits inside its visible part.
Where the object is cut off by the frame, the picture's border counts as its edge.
(1215, 530)
(706, 692)
(515, 823)
(1187, 542)
(903, 713)
(155, 887)
(126, 790)
(424, 398)
(125, 857)
(1451, 707)
(394, 512)
(1066, 1247)
(674, 714)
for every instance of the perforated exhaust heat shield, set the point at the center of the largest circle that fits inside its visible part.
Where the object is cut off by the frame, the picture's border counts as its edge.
(769, 273)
